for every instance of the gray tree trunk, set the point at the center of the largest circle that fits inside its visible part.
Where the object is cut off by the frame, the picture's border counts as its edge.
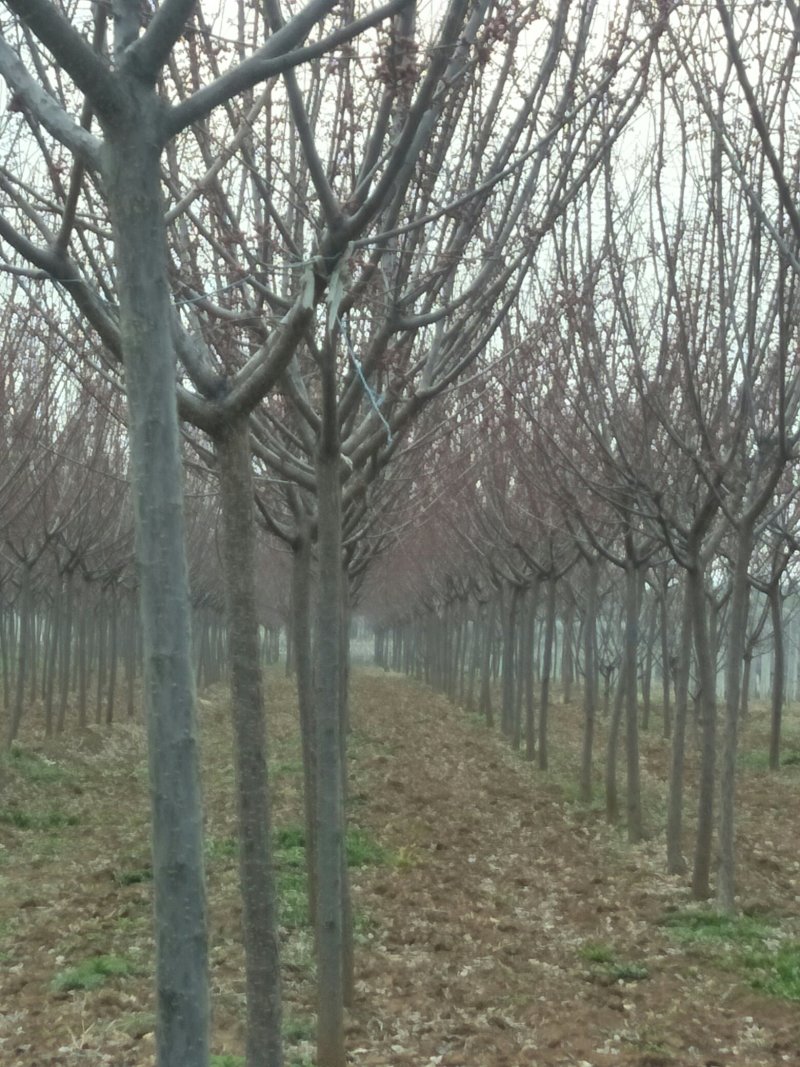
(330, 802)
(547, 663)
(132, 176)
(631, 652)
(301, 641)
(23, 648)
(590, 682)
(701, 888)
(737, 637)
(259, 914)
(778, 675)
(676, 864)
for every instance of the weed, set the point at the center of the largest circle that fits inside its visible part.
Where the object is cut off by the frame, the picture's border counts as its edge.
(138, 1023)
(92, 973)
(607, 968)
(292, 898)
(297, 1028)
(757, 759)
(37, 820)
(34, 768)
(226, 1060)
(596, 953)
(134, 875)
(776, 970)
(364, 851)
(628, 972)
(221, 848)
(713, 926)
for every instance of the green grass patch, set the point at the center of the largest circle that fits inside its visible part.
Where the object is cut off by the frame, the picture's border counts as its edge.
(33, 767)
(297, 1028)
(134, 875)
(137, 1024)
(748, 944)
(757, 759)
(597, 953)
(706, 927)
(37, 820)
(221, 848)
(226, 1060)
(606, 968)
(775, 969)
(363, 850)
(92, 973)
(292, 899)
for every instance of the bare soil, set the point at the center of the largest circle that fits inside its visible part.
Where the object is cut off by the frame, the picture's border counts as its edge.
(493, 934)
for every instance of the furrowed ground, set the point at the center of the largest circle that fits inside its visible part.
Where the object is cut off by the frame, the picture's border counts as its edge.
(498, 921)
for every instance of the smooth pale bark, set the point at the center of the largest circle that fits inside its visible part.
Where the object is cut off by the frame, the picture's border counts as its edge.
(701, 871)
(83, 659)
(631, 651)
(590, 682)
(23, 647)
(647, 672)
(259, 914)
(567, 654)
(132, 178)
(676, 864)
(665, 656)
(330, 796)
(547, 663)
(612, 746)
(737, 637)
(66, 648)
(130, 662)
(473, 659)
(101, 631)
(486, 663)
(52, 642)
(4, 657)
(509, 660)
(528, 671)
(113, 652)
(778, 675)
(301, 640)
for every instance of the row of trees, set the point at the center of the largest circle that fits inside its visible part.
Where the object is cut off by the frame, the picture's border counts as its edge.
(289, 240)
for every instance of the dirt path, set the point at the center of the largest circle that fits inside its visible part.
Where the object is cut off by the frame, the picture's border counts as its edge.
(483, 956)
(503, 925)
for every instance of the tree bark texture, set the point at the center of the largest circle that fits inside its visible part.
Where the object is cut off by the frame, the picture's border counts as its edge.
(132, 175)
(262, 971)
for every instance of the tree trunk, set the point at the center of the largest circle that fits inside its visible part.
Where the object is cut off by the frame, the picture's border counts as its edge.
(486, 668)
(113, 652)
(612, 797)
(665, 657)
(737, 636)
(330, 807)
(262, 971)
(547, 662)
(778, 676)
(590, 682)
(23, 646)
(132, 175)
(631, 653)
(701, 888)
(567, 656)
(66, 649)
(676, 864)
(528, 657)
(301, 642)
(509, 657)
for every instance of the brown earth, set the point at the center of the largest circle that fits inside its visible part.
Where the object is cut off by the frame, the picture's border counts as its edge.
(505, 925)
